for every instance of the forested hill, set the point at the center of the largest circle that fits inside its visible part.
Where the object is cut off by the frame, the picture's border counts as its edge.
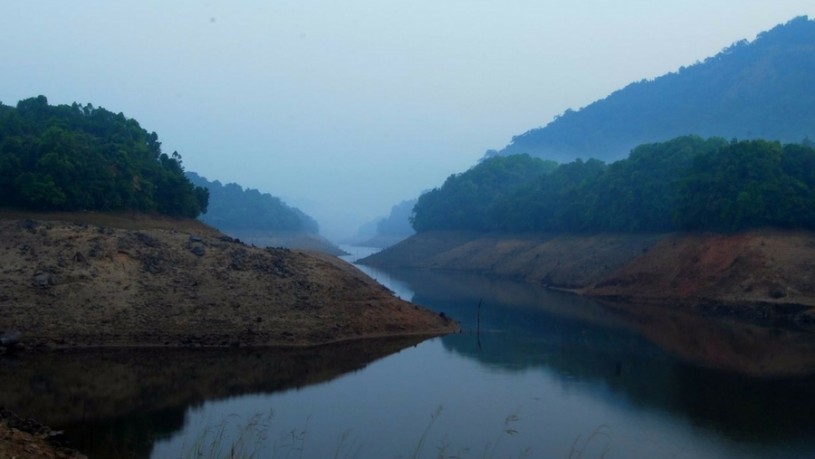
(233, 208)
(397, 223)
(758, 89)
(684, 184)
(468, 200)
(72, 157)
(386, 231)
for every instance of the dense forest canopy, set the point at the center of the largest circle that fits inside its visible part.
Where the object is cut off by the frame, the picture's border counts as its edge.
(72, 157)
(465, 200)
(687, 183)
(231, 207)
(751, 90)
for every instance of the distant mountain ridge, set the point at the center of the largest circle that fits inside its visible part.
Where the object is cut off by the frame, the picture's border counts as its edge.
(234, 208)
(757, 89)
(260, 218)
(386, 231)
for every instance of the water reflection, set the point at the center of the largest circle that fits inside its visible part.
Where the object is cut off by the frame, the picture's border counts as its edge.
(117, 402)
(752, 384)
(656, 383)
(399, 288)
(526, 311)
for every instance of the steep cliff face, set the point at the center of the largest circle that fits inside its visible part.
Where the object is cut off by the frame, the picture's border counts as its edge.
(124, 281)
(761, 275)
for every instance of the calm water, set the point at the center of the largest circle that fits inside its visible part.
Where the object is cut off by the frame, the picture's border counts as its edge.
(546, 376)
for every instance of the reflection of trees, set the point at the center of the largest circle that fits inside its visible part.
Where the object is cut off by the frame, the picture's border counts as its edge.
(526, 328)
(457, 294)
(120, 400)
(128, 436)
(721, 343)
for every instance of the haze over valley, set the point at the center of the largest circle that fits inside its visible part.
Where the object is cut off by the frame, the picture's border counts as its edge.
(421, 229)
(346, 110)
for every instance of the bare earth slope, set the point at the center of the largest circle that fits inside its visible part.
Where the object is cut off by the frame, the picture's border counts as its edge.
(27, 438)
(560, 261)
(761, 275)
(762, 266)
(125, 280)
(291, 240)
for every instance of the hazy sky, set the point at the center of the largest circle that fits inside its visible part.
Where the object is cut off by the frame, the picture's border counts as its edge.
(344, 108)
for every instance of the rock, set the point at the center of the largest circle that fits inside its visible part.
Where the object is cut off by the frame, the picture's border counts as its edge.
(147, 240)
(10, 338)
(777, 292)
(45, 280)
(195, 238)
(152, 264)
(29, 225)
(198, 250)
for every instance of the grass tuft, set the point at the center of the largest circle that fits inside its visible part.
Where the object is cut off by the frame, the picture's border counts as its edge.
(211, 442)
(602, 433)
(420, 445)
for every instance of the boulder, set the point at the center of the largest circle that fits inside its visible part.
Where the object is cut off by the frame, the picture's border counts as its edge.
(9, 339)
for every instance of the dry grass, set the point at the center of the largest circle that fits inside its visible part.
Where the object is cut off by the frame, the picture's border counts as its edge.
(123, 220)
(180, 283)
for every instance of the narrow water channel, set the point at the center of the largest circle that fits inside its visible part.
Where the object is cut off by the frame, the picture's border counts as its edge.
(533, 374)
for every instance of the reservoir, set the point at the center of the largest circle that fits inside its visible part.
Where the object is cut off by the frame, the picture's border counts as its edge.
(534, 373)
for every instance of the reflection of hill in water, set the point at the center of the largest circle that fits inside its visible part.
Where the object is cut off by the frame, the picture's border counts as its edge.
(633, 352)
(130, 397)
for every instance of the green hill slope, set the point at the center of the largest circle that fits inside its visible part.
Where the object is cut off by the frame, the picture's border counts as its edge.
(757, 89)
(231, 207)
(72, 157)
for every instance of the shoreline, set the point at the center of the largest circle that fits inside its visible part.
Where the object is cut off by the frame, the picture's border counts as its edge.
(23, 347)
(143, 281)
(27, 437)
(759, 276)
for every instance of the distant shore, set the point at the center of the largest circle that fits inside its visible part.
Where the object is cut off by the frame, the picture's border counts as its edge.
(761, 276)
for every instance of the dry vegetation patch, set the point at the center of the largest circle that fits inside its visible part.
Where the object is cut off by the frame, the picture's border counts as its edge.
(85, 282)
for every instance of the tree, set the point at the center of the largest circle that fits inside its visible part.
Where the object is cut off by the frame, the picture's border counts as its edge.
(465, 200)
(686, 183)
(743, 185)
(234, 208)
(70, 157)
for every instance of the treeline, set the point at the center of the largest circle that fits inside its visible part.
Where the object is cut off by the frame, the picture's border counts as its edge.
(72, 157)
(231, 207)
(688, 183)
(469, 200)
